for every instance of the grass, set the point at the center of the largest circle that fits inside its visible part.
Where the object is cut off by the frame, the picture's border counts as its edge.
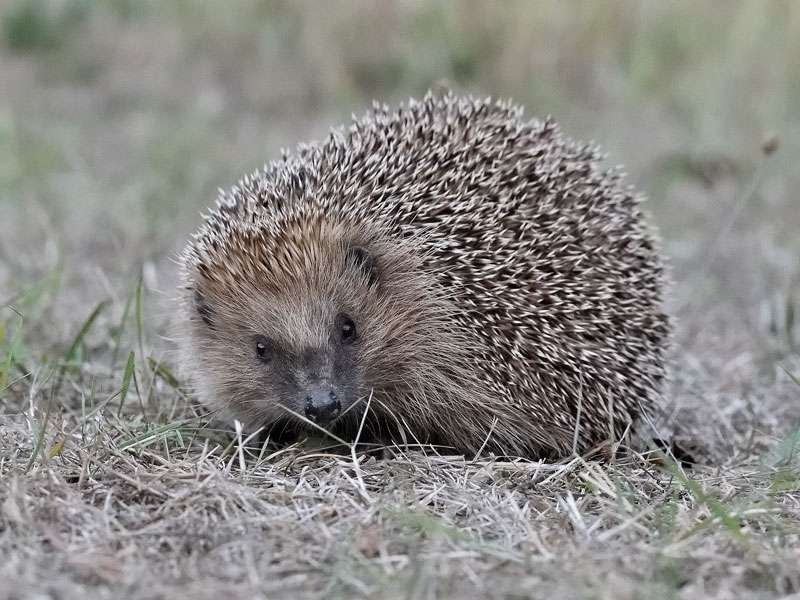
(119, 120)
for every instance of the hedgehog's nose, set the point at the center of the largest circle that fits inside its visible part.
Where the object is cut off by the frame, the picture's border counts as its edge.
(322, 406)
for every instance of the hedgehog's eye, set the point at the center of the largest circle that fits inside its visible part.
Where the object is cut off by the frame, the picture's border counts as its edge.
(347, 329)
(262, 348)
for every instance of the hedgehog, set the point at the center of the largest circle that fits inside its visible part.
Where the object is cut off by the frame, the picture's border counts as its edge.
(446, 273)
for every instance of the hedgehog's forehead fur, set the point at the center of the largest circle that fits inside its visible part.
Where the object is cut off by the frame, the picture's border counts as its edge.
(276, 252)
(516, 280)
(289, 282)
(290, 279)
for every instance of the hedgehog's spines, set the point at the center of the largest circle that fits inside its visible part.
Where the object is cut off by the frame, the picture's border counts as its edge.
(534, 258)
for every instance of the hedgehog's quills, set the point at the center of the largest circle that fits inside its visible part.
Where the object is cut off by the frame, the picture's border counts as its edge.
(479, 275)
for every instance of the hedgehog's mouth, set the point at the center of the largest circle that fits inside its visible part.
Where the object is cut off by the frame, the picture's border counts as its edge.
(321, 405)
(350, 425)
(292, 428)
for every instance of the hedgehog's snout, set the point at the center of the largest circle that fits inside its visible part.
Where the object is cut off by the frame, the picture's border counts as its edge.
(322, 405)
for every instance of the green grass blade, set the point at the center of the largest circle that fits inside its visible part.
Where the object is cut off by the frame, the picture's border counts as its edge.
(715, 507)
(87, 325)
(793, 377)
(165, 373)
(126, 381)
(117, 337)
(138, 315)
(140, 333)
(11, 353)
(151, 435)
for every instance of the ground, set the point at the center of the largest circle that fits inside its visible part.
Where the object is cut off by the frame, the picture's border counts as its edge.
(117, 123)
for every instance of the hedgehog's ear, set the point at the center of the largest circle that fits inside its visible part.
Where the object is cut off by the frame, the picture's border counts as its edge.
(202, 307)
(359, 257)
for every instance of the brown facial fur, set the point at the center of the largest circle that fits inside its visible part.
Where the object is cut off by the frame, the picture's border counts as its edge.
(498, 280)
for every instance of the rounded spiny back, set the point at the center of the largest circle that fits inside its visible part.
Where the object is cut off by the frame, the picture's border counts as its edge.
(546, 276)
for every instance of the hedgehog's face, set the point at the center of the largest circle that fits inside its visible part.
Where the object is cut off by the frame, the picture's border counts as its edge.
(289, 352)
(317, 380)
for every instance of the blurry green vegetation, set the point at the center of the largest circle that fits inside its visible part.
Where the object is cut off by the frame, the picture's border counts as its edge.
(35, 25)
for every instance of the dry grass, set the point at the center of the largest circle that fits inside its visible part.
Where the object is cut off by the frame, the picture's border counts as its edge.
(119, 513)
(116, 124)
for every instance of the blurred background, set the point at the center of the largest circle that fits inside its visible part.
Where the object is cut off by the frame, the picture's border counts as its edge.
(120, 119)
